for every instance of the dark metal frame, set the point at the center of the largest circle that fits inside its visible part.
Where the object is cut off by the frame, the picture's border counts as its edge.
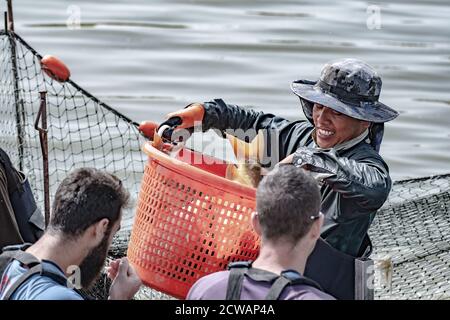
(20, 115)
(42, 115)
(9, 29)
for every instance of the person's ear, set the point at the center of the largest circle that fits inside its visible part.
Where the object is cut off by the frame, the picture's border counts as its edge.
(366, 124)
(317, 227)
(255, 223)
(100, 229)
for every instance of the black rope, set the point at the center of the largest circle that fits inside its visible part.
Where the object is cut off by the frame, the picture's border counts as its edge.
(431, 177)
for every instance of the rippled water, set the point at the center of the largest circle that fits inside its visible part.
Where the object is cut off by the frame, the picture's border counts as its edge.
(147, 58)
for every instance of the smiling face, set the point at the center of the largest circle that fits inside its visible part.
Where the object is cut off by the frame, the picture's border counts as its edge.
(333, 127)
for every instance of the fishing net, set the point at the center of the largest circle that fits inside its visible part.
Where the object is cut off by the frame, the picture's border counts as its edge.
(410, 233)
(411, 237)
(82, 131)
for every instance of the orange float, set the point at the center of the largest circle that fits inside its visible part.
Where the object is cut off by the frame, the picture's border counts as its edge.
(148, 128)
(55, 68)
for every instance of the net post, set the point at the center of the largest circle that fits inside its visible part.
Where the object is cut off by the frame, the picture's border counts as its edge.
(42, 115)
(18, 103)
(10, 16)
(364, 273)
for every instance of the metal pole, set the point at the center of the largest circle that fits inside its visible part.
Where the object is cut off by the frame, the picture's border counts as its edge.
(42, 114)
(10, 16)
(19, 106)
(364, 279)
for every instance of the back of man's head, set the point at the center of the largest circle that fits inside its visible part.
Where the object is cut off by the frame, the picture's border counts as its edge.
(286, 199)
(85, 197)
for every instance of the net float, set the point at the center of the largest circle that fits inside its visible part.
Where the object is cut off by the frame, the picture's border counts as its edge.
(147, 128)
(55, 68)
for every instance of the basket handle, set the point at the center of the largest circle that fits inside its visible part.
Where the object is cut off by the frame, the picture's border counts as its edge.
(166, 128)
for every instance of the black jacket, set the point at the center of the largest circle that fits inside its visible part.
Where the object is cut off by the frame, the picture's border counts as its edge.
(356, 184)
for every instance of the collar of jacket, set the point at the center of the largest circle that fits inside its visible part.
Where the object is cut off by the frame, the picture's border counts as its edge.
(344, 145)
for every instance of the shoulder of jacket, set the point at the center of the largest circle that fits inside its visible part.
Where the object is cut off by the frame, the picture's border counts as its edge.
(362, 151)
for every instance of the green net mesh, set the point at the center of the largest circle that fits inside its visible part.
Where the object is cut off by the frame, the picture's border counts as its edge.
(410, 233)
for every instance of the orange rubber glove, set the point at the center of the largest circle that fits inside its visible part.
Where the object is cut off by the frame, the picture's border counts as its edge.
(193, 113)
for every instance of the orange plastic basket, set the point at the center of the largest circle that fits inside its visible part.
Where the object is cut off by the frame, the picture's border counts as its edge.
(189, 222)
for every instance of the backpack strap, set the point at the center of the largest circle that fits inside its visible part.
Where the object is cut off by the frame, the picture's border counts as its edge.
(29, 261)
(8, 253)
(238, 270)
(37, 269)
(288, 277)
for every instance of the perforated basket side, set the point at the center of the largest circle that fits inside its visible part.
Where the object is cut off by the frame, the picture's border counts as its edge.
(186, 228)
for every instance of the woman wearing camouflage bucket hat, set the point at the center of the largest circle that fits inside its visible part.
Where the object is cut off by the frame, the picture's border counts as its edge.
(339, 144)
(348, 119)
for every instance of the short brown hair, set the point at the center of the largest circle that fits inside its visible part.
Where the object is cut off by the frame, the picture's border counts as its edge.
(285, 201)
(86, 196)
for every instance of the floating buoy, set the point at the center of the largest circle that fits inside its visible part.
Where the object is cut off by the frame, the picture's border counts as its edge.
(148, 128)
(55, 68)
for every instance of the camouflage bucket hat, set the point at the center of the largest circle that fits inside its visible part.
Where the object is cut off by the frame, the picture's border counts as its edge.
(349, 86)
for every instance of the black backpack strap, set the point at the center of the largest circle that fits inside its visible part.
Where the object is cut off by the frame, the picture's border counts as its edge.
(277, 288)
(289, 277)
(238, 271)
(236, 278)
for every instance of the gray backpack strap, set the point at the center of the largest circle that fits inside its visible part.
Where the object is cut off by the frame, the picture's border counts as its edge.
(26, 259)
(8, 255)
(236, 278)
(37, 269)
